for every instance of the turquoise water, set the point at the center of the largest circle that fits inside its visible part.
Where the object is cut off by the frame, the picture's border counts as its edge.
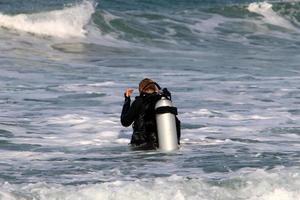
(233, 69)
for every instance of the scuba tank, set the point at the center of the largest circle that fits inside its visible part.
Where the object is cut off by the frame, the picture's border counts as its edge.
(165, 114)
(166, 124)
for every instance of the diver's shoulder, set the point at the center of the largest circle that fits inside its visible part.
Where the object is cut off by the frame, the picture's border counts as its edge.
(138, 98)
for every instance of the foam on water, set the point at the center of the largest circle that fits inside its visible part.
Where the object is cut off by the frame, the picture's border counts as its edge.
(69, 22)
(209, 25)
(93, 87)
(255, 185)
(271, 17)
(98, 130)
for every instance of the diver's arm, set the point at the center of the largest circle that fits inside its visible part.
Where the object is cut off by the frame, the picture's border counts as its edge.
(129, 112)
(125, 109)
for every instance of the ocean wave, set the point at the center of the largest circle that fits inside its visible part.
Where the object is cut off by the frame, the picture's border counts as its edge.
(270, 16)
(279, 184)
(68, 22)
(165, 28)
(191, 28)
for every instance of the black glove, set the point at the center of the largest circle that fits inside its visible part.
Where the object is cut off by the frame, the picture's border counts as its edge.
(126, 97)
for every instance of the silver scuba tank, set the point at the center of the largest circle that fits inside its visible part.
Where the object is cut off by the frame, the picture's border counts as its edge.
(166, 125)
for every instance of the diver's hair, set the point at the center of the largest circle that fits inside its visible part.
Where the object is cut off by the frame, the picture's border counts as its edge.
(145, 86)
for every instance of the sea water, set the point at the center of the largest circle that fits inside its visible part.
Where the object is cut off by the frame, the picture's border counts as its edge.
(232, 67)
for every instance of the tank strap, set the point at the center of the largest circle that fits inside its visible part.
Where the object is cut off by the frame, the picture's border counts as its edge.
(166, 109)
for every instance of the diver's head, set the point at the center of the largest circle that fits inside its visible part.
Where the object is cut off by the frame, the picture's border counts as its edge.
(148, 86)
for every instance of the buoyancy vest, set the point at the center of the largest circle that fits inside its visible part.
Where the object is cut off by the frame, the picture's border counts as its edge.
(144, 126)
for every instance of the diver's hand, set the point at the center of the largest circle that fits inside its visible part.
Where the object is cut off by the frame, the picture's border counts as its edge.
(128, 92)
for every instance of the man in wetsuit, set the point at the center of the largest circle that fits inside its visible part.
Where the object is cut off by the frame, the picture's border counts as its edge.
(142, 114)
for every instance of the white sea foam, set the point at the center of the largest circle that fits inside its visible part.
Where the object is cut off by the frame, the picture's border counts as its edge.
(205, 113)
(98, 130)
(208, 25)
(17, 154)
(250, 117)
(109, 16)
(27, 155)
(87, 88)
(270, 16)
(202, 113)
(68, 22)
(254, 185)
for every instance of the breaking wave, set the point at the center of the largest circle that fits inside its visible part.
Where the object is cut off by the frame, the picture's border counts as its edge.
(257, 185)
(270, 16)
(68, 22)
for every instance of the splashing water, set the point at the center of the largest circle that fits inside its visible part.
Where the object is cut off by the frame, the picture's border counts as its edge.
(65, 23)
(271, 17)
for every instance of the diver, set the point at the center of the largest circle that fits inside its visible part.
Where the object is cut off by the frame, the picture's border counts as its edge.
(142, 114)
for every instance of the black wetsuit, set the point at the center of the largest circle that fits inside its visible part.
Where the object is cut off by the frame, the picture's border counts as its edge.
(142, 114)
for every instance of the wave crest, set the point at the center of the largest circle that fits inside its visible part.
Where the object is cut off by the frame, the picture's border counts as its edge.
(270, 16)
(68, 22)
(256, 185)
